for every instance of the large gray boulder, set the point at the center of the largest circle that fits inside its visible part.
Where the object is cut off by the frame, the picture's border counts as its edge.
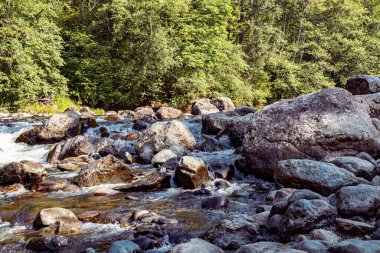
(356, 246)
(203, 106)
(59, 127)
(316, 126)
(321, 177)
(196, 245)
(303, 215)
(163, 135)
(355, 165)
(363, 84)
(362, 200)
(107, 170)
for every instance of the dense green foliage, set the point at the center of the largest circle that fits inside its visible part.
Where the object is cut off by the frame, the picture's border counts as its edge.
(124, 53)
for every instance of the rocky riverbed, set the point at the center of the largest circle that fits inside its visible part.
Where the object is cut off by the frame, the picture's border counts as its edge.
(300, 175)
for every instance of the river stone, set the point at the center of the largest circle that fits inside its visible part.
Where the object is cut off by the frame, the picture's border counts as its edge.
(114, 117)
(191, 173)
(79, 146)
(357, 166)
(49, 216)
(283, 194)
(351, 227)
(152, 181)
(223, 103)
(196, 245)
(330, 123)
(59, 127)
(124, 246)
(321, 177)
(304, 194)
(168, 113)
(203, 106)
(26, 173)
(145, 112)
(358, 200)
(311, 246)
(48, 244)
(267, 247)
(363, 84)
(304, 215)
(237, 230)
(107, 170)
(215, 202)
(163, 156)
(356, 246)
(163, 135)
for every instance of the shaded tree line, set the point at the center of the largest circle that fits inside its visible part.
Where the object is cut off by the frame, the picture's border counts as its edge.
(123, 53)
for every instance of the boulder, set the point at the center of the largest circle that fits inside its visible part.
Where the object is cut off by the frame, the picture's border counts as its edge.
(372, 104)
(223, 103)
(328, 237)
(196, 245)
(359, 200)
(356, 246)
(203, 106)
(50, 216)
(26, 173)
(191, 173)
(144, 113)
(124, 246)
(352, 227)
(363, 84)
(215, 202)
(321, 177)
(78, 146)
(48, 244)
(268, 247)
(357, 166)
(311, 246)
(107, 170)
(163, 156)
(168, 113)
(163, 135)
(59, 127)
(330, 123)
(150, 182)
(303, 216)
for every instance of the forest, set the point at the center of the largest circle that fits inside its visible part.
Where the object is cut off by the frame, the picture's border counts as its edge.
(117, 54)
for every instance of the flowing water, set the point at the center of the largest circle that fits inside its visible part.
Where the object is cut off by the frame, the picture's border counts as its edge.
(17, 210)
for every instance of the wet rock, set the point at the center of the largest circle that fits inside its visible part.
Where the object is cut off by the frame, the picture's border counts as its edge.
(74, 164)
(328, 237)
(131, 137)
(222, 170)
(103, 191)
(150, 182)
(66, 228)
(329, 123)
(209, 144)
(146, 243)
(215, 202)
(358, 200)
(114, 117)
(244, 110)
(107, 170)
(203, 106)
(376, 233)
(242, 193)
(11, 188)
(49, 216)
(376, 181)
(356, 246)
(196, 245)
(140, 124)
(304, 194)
(59, 127)
(267, 247)
(321, 177)
(191, 173)
(303, 216)
(279, 207)
(50, 186)
(163, 135)
(49, 244)
(357, 166)
(237, 230)
(311, 246)
(26, 173)
(144, 113)
(351, 227)
(283, 194)
(124, 246)
(273, 223)
(168, 113)
(223, 103)
(363, 84)
(89, 216)
(81, 145)
(163, 156)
